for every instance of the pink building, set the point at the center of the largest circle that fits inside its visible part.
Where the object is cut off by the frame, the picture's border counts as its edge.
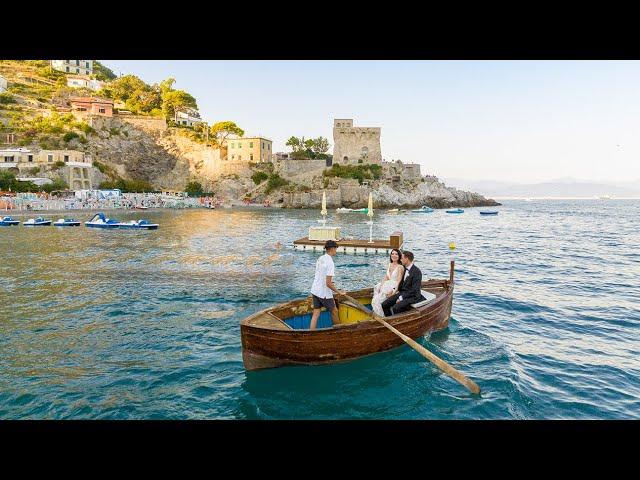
(92, 106)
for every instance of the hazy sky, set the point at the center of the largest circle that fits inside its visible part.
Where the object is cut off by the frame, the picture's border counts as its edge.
(502, 120)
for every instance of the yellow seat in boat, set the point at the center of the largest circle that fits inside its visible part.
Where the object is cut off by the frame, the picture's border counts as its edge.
(352, 315)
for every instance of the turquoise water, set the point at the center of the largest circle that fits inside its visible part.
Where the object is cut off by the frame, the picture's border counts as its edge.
(135, 324)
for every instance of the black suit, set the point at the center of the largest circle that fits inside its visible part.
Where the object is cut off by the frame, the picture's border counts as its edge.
(409, 290)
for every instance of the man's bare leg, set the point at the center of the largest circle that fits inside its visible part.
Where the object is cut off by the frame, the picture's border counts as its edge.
(314, 318)
(335, 318)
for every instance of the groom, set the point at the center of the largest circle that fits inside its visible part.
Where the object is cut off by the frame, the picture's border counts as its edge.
(409, 291)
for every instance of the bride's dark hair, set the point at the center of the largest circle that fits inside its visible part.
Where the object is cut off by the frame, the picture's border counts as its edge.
(399, 255)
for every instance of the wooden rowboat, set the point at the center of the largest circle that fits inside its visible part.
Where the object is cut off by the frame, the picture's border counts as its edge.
(276, 336)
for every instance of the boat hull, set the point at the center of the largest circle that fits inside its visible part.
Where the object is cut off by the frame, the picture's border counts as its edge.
(488, 213)
(101, 225)
(9, 224)
(38, 224)
(67, 224)
(138, 227)
(264, 347)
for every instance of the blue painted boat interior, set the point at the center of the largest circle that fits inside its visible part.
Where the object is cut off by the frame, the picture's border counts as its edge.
(304, 321)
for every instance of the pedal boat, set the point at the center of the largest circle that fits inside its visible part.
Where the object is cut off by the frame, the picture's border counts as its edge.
(139, 224)
(423, 209)
(486, 212)
(66, 222)
(37, 222)
(100, 221)
(457, 210)
(8, 221)
(280, 336)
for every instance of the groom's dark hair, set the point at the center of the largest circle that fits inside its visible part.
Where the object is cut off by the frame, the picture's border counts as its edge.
(408, 254)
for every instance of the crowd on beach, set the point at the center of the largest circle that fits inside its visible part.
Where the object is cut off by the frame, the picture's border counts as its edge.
(45, 201)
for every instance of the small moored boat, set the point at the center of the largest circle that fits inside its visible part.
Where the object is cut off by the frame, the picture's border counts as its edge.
(457, 210)
(100, 221)
(393, 210)
(66, 222)
(8, 221)
(139, 224)
(489, 212)
(423, 209)
(37, 222)
(352, 210)
(280, 335)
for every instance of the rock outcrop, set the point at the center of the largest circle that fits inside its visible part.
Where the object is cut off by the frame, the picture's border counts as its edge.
(349, 193)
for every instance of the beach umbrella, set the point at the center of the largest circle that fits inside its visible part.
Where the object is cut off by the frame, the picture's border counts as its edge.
(370, 213)
(323, 212)
(324, 203)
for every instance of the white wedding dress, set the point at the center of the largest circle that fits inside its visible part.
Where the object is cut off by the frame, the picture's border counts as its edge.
(381, 290)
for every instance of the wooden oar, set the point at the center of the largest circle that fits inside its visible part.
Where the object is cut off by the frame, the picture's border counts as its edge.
(441, 364)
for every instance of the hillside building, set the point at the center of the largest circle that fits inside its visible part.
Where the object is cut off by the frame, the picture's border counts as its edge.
(249, 149)
(79, 67)
(82, 81)
(83, 106)
(187, 117)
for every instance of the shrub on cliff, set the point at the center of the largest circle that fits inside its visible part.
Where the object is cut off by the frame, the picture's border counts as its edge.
(8, 181)
(70, 136)
(101, 72)
(359, 172)
(194, 189)
(58, 184)
(86, 128)
(259, 177)
(274, 183)
(6, 98)
(137, 96)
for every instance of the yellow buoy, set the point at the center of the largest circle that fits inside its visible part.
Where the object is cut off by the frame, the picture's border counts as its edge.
(452, 246)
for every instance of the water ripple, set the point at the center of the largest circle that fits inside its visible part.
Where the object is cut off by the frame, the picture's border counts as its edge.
(121, 325)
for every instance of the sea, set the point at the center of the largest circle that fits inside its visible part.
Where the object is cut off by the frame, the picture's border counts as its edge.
(117, 324)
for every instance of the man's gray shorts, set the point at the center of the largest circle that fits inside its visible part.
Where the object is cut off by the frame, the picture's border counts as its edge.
(327, 303)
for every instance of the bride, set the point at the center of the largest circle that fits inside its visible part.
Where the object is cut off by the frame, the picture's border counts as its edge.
(390, 284)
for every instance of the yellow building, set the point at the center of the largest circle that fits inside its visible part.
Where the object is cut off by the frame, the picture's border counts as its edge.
(249, 149)
(66, 156)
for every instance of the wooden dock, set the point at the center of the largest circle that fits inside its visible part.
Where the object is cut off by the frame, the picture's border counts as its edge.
(353, 246)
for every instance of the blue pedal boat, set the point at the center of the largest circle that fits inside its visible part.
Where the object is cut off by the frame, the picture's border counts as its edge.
(66, 222)
(100, 221)
(37, 222)
(457, 210)
(8, 221)
(423, 209)
(139, 224)
(492, 212)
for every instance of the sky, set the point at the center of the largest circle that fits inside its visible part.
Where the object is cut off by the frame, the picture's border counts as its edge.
(519, 121)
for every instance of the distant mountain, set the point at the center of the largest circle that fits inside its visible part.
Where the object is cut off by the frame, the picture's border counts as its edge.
(562, 187)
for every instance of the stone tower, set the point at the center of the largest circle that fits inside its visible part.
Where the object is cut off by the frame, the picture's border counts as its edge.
(354, 145)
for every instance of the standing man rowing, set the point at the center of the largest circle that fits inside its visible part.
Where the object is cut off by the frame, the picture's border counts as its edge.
(323, 286)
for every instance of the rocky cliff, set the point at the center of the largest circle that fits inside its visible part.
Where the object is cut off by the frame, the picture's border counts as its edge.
(348, 193)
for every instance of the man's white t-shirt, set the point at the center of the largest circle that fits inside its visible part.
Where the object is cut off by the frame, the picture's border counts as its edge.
(324, 268)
